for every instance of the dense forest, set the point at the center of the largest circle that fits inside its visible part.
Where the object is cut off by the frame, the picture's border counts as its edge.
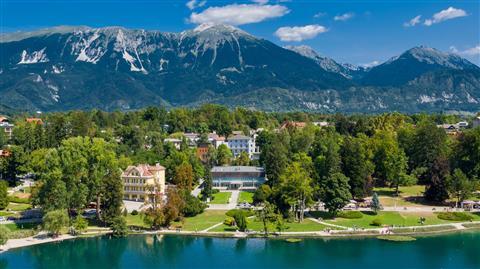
(76, 157)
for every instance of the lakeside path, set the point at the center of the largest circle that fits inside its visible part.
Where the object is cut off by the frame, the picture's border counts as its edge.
(42, 238)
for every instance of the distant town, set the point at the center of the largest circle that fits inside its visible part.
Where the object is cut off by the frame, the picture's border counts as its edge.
(215, 171)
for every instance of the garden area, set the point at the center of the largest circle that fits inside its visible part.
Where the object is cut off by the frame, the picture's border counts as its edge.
(245, 197)
(221, 198)
(407, 196)
(368, 219)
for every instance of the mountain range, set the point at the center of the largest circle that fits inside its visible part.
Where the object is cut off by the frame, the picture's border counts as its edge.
(114, 68)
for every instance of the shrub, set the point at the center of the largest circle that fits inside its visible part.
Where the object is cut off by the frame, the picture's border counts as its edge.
(119, 227)
(80, 224)
(54, 221)
(4, 234)
(229, 221)
(233, 212)
(134, 212)
(350, 214)
(376, 222)
(455, 216)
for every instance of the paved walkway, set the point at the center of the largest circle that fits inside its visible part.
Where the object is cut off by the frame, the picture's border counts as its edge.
(328, 224)
(198, 189)
(232, 202)
(33, 240)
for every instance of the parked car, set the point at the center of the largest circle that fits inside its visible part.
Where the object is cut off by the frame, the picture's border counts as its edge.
(244, 205)
(2, 219)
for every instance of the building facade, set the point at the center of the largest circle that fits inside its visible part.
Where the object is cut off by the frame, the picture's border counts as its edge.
(237, 177)
(6, 126)
(242, 143)
(143, 180)
(476, 122)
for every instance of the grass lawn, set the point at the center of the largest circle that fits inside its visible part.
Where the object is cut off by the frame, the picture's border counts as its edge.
(387, 195)
(23, 226)
(221, 198)
(135, 220)
(245, 197)
(202, 221)
(256, 225)
(393, 218)
(18, 207)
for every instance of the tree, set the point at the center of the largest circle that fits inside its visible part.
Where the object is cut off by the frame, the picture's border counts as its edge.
(357, 165)
(193, 206)
(296, 188)
(266, 215)
(52, 194)
(459, 186)
(4, 234)
(119, 226)
(375, 206)
(54, 221)
(242, 159)
(337, 192)
(80, 224)
(240, 220)
(274, 157)
(224, 155)
(3, 194)
(207, 190)
(184, 176)
(262, 194)
(436, 190)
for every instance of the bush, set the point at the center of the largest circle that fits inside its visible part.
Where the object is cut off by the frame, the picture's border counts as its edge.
(455, 216)
(54, 221)
(233, 212)
(80, 224)
(134, 212)
(350, 214)
(119, 227)
(4, 234)
(376, 222)
(229, 221)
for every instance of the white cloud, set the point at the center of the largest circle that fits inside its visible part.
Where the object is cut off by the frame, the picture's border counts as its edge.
(413, 21)
(299, 33)
(444, 15)
(193, 4)
(261, 2)
(319, 15)
(344, 17)
(371, 64)
(236, 14)
(474, 51)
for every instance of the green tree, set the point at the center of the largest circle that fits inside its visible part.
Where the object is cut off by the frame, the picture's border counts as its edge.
(54, 221)
(224, 155)
(4, 234)
(242, 159)
(184, 176)
(266, 215)
(119, 226)
(436, 189)
(337, 192)
(357, 166)
(274, 156)
(375, 205)
(296, 188)
(240, 220)
(207, 190)
(3, 194)
(80, 224)
(262, 194)
(459, 186)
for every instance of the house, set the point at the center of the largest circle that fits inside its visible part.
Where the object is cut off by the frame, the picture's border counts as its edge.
(476, 122)
(35, 120)
(242, 143)
(5, 153)
(238, 177)
(192, 138)
(175, 141)
(293, 124)
(6, 126)
(450, 129)
(142, 180)
(216, 140)
(202, 152)
(321, 123)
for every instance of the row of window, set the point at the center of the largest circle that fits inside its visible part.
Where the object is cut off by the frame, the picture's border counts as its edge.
(134, 188)
(134, 180)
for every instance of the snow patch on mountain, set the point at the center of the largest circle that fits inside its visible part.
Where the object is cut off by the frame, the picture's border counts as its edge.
(54, 92)
(57, 70)
(34, 57)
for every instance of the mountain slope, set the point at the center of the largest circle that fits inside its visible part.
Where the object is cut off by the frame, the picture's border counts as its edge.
(116, 68)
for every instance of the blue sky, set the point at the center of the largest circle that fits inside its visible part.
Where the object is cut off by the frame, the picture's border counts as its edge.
(354, 31)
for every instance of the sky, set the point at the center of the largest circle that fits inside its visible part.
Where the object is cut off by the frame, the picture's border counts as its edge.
(362, 32)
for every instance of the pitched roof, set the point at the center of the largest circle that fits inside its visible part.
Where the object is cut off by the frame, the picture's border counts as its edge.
(144, 170)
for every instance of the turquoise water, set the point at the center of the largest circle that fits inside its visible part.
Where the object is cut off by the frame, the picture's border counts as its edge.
(448, 251)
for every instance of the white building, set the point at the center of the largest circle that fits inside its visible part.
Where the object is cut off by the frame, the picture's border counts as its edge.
(6, 126)
(242, 143)
(176, 142)
(216, 140)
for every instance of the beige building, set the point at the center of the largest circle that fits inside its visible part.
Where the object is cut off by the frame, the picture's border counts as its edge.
(139, 181)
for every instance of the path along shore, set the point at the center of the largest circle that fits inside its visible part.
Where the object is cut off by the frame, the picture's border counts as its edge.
(42, 237)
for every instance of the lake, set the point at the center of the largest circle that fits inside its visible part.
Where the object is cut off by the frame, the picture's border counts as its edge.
(461, 250)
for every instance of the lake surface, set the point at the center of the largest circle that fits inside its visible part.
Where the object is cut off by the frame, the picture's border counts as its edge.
(141, 251)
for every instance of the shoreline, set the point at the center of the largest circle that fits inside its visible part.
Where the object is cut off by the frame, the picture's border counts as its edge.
(43, 239)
